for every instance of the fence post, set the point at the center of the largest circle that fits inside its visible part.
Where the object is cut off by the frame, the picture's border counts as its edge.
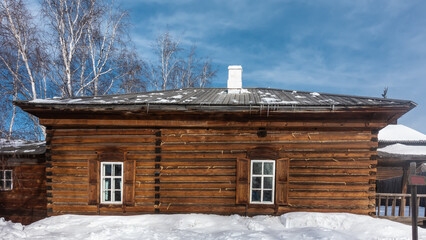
(413, 203)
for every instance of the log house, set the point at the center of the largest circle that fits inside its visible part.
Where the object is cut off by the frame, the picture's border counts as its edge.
(22, 181)
(228, 150)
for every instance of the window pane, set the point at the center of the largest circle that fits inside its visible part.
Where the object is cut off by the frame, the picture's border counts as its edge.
(117, 170)
(8, 185)
(268, 168)
(117, 183)
(107, 183)
(267, 182)
(1, 175)
(257, 168)
(107, 169)
(255, 195)
(107, 195)
(257, 182)
(117, 196)
(8, 174)
(267, 195)
(1, 185)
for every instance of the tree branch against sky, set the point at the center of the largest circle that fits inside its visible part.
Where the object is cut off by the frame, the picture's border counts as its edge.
(84, 50)
(175, 67)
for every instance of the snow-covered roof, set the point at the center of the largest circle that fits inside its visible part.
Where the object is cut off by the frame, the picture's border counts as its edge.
(400, 134)
(402, 149)
(19, 146)
(211, 97)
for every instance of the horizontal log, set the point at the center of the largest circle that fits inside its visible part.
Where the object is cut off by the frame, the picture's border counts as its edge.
(102, 146)
(325, 154)
(329, 202)
(334, 194)
(166, 178)
(68, 193)
(79, 164)
(73, 156)
(96, 131)
(284, 138)
(329, 178)
(74, 208)
(200, 171)
(70, 179)
(166, 163)
(190, 186)
(194, 200)
(286, 146)
(69, 170)
(330, 187)
(180, 193)
(332, 163)
(105, 139)
(332, 171)
(80, 199)
(204, 124)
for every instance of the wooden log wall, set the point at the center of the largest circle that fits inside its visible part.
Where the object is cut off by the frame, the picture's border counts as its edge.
(188, 170)
(26, 202)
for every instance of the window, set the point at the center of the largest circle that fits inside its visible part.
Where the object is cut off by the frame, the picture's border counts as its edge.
(262, 181)
(111, 182)
(6, 180)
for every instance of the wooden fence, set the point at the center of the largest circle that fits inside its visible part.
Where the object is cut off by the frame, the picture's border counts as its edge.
(397, 199)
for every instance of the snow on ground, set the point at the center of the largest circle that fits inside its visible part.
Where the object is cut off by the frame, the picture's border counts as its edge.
(400, 132)
(297, 225)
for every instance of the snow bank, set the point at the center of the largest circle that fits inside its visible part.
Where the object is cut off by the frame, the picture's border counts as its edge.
(351, 225)
(300, 225)
(9, 230)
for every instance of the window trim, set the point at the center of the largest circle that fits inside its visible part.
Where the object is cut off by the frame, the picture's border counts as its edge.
(262, 175)
(4, 179)
(102, 188)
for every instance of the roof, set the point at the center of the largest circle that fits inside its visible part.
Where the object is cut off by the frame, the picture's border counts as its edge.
(401, 134)
(20, 147)
(402, 149)
(217, 98)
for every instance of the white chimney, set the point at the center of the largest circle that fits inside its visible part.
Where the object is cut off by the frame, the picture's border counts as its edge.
(235, 75)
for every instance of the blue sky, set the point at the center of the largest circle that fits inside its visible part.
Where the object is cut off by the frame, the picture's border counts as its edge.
(336, 46)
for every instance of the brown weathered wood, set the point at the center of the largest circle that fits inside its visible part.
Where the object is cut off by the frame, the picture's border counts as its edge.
(176, 123)
(282, 179)
(93, 191)
(328, 168)
(243, 181)
(129, 182)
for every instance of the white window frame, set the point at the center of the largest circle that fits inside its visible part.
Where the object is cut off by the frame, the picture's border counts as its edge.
(112, 183)
(4, 179)
(262, 175)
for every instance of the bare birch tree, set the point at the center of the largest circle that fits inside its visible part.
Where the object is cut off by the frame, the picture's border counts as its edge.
(21, 60)
(90, 39)
(175, 70)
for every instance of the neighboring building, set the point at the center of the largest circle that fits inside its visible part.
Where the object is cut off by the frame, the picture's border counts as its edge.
(22, 181)
(213, 150)
(398, 146)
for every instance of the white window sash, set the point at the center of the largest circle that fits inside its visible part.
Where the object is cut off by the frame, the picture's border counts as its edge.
(112, 187)
(3, 180)
(262, 176)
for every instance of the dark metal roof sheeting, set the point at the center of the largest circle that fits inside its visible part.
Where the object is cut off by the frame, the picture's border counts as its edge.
(222, 97)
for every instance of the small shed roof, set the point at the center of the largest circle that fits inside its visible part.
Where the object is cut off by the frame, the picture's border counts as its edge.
(398, 133)
(21, 147)
(219, 99)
